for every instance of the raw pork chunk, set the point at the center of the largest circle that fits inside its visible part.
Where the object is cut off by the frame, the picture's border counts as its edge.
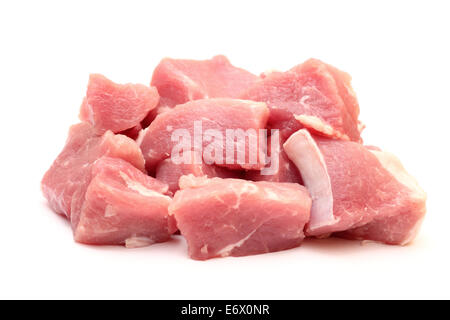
(233, 217)
(284, 170)
(213, 114)
(314, 95)
(402, 227)
(70, 172)
(170, 173)
(116, 107)
(180, 81)
(122, 205)
(358, 188)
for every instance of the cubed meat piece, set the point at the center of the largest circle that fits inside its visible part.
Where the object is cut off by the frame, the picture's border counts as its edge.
(356, 188)
(400, 228)
(70, 172)
(180, 81)
(194, 126)
(122, 205)
(312, 95)
(233, 217)
(116, 107)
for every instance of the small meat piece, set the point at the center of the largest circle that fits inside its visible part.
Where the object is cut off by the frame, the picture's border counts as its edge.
(70, 172)
(169, 172)
(122, 205)
(279, 168)
(354, 186)
(116, 107)
(180, 81)
(210, 115)
(233, 217)
(314, 95)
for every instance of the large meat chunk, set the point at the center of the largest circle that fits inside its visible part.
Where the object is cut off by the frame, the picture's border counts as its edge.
(356, 187)
(169, 172)
(180, 81)
(116, 107)
(233, 217)
(122, 205)
(402, 227)
(314, 95)
(70, 172)
(194, 125)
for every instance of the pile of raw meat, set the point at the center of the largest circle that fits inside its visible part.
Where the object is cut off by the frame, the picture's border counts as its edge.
(117, 182)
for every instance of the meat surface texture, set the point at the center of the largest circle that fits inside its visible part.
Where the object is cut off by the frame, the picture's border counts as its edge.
(169, 172)
(214, 115)
(116, 107)
(279, 168)
(233, 217)
(70, 173)
(355, 188)
(402, 227)
(312, 95)
(180, 81)
(122, 205)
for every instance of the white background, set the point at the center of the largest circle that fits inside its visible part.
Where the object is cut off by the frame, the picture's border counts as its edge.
(397, 52)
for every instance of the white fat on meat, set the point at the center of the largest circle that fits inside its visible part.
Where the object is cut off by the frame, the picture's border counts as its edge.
(138, 242)
(392, 164)
(303, 151)
(319, 125)
(138, 187)
(225, 252)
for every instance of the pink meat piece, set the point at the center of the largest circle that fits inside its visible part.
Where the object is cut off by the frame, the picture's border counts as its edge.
(215, 114)
(314, 95)
(116, 107)
(358, 188)
(233, 217)
(70, 172)
(401, 228)
(286, 171)
(397, 230)
(169, 172)
(122, 205)
(180, 81)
